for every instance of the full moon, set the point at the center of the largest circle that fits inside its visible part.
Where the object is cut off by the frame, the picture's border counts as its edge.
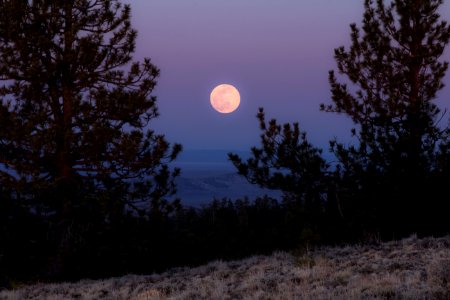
(225, 98)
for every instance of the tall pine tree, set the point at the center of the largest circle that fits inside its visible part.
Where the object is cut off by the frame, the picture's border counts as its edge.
(395, 74)
(75, 107)
(76, 150)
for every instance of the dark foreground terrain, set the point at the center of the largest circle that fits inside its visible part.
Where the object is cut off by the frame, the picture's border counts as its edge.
(408, 269)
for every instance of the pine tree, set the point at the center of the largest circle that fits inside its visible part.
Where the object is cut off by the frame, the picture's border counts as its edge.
(395, 74)
(75, 107)
(76, 149)
(288, 162)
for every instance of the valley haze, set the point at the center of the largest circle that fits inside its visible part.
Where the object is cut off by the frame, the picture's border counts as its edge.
(208, 174)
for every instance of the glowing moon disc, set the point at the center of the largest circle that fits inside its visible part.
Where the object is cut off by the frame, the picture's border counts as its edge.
(225, 98)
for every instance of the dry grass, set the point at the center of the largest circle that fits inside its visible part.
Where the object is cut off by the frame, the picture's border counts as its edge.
(408, 269)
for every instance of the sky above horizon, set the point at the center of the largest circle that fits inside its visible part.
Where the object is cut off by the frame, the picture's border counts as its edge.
(276, 53)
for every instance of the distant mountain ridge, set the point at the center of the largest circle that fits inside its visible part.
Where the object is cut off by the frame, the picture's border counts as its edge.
(207, 175)
(209, 155)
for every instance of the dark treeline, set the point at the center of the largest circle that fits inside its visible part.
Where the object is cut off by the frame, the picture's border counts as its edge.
(84, 182)
(223, 229)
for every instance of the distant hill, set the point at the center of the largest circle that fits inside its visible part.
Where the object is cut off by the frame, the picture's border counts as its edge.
(209, 156)
(207, 175)
(203, 186)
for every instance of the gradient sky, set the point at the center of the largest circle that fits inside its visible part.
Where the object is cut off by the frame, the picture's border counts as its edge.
(277, 53)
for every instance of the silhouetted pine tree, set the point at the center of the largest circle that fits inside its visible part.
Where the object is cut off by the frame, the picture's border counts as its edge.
(289, 163)
(395, 72)
(74, 114)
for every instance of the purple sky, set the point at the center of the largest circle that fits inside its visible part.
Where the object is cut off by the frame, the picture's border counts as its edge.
(277, 53)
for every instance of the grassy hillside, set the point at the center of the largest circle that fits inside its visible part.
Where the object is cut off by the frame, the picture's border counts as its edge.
(408, 269)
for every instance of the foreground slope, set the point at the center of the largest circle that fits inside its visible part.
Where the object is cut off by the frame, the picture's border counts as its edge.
(408, 269)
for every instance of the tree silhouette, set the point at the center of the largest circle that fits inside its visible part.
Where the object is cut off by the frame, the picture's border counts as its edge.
(71, 114)
(74, 113)
(289, 163)
(395, 73)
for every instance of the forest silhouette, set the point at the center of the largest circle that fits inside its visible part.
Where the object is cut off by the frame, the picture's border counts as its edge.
(85, 182)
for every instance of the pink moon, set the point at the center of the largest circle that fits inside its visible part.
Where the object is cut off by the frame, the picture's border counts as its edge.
(225, 98)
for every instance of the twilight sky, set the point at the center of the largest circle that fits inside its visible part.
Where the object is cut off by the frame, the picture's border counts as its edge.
(277, 53)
